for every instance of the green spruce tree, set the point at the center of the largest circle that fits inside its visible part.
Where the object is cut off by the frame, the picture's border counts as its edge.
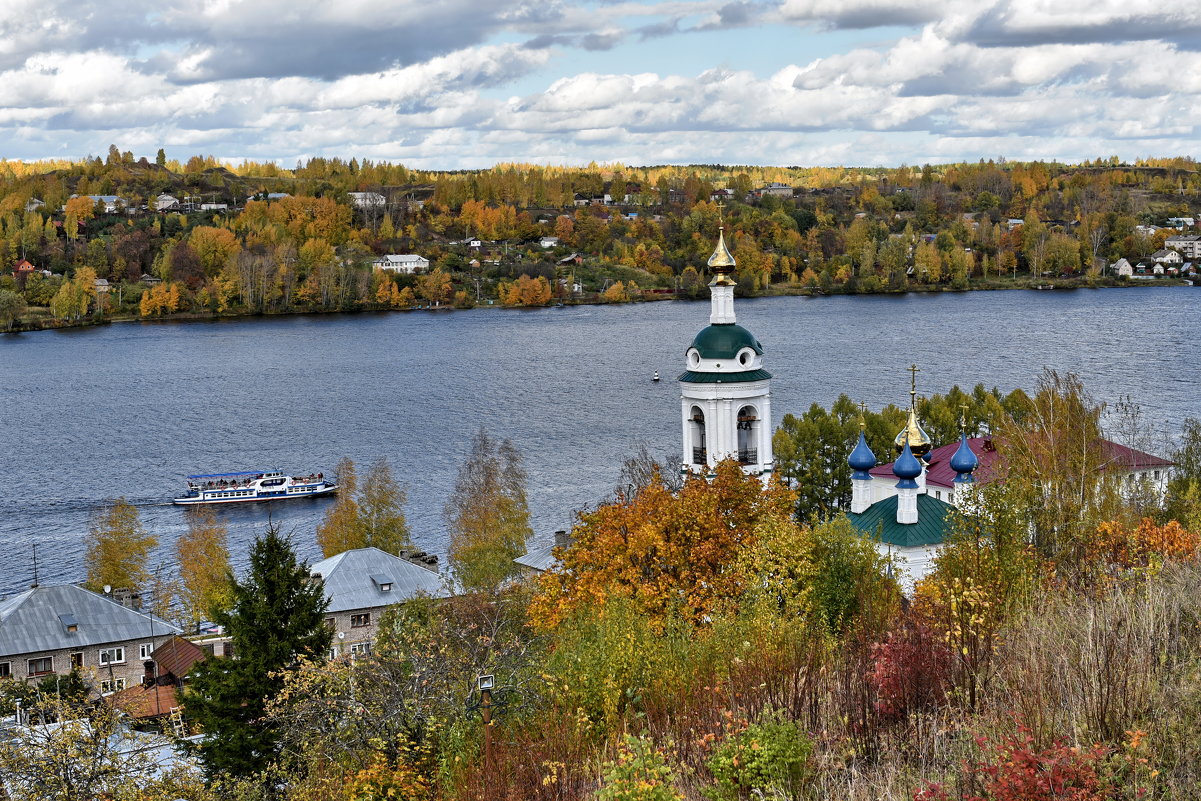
(276, 620)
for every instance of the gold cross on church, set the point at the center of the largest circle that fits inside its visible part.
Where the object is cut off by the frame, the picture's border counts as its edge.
(913, 371)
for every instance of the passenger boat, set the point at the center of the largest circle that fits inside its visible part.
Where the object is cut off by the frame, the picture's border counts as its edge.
(253, 485)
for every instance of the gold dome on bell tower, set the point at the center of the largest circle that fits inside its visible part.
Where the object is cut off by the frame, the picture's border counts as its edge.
(721, 263)
(913, 433)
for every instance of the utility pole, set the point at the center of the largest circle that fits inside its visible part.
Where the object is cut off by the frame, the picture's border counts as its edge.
(485, 684)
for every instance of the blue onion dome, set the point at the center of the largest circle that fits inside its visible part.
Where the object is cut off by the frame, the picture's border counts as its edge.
(964, 461)
(862, 459)
(907, 468)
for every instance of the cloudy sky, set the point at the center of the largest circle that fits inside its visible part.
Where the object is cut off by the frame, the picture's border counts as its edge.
(460, 84)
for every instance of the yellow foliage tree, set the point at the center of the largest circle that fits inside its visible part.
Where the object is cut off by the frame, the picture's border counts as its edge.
(204, 570)
(616, 293)
(118, 547)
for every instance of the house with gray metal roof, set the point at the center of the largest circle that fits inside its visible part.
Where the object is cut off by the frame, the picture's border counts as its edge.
(49, 630)
(539, 560)
(361, 583)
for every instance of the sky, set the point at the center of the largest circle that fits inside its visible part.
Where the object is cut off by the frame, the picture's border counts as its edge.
(454, 84)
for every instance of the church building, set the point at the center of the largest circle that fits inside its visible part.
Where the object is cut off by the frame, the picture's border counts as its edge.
(894, 505)
(725, 394)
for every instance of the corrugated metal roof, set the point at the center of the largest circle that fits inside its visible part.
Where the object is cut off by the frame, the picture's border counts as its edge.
(880, 521)
(540, 559)
(349, 580)
(176, 656)
(32, 621)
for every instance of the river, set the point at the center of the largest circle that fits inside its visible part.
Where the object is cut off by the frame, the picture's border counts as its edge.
(128, 410)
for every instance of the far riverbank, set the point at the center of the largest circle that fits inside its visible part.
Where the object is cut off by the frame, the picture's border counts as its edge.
(40, 319)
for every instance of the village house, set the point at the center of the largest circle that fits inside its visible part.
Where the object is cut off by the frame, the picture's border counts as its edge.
(166, 202)
(164, 674)
(361, 584)
(540, 560)
(773, 189)
(51, 630)
(548, 242)
(407, 263)
(1189, 245)
(23, 268)
(1166, 257)
(1122, 267)
(112, 203)
(367, 200)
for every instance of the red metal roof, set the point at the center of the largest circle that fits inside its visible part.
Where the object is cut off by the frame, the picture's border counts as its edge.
(176, 656)
(940, 474)
(142, 702)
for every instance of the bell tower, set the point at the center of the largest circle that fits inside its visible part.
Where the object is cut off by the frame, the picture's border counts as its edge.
(725, 394)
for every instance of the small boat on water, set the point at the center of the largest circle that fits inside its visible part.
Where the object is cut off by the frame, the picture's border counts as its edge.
(252, 485)
(655, 377)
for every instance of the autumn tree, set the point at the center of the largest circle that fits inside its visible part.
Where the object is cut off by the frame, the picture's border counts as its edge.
(276, 620)
(1055, 466)
(214, 247)
(668, 553)
(367, 516)
(12, 306)
(381, 510)
(78, 758)
(118, 549)
(339, 529)
(204, 569)
(487, 514)
(435, 287)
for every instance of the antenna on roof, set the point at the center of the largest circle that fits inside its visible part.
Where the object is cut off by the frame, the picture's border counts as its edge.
(34, 585)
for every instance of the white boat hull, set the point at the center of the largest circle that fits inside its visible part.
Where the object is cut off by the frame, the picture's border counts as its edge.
(270, 487)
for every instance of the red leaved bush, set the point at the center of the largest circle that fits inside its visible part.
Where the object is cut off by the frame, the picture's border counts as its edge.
(1017, 771)
(911, 671)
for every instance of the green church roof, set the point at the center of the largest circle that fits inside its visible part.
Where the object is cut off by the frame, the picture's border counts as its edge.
(724, 340)
(880, 521)
(692, 377)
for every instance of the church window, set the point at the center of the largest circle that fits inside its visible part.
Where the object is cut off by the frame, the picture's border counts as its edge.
(748, 435)
(700, 453)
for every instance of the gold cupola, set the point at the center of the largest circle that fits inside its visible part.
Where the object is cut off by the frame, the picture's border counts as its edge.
(721, 263)
(913, 433)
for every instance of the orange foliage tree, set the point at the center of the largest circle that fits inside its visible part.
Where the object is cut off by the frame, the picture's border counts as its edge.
(1119, 546)
(667, 553)
(526, 291)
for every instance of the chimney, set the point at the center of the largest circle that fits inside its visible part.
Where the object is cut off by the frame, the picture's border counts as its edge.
(563, 539)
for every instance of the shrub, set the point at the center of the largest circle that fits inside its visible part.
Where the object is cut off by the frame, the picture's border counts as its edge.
(640, 773)
(911, 671)
(1016, 770)
(771, 754)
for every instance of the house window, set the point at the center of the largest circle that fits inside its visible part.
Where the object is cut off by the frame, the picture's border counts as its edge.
(42, 666)
(332, 653)
(111, 686)
(1157, 475)
(112, 656)
(331, 623)
(144, 650)
(77, 659)
(6, 670)
(358, 621)
(360, 649)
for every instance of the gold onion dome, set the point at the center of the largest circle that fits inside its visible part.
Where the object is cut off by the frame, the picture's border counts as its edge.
(916, 437)
(721, 263)
(913, 433)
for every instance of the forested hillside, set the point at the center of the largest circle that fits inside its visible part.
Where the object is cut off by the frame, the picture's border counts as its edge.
(206, 238)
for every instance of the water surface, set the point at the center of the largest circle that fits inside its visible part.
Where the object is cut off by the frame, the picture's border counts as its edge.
(130, 409)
